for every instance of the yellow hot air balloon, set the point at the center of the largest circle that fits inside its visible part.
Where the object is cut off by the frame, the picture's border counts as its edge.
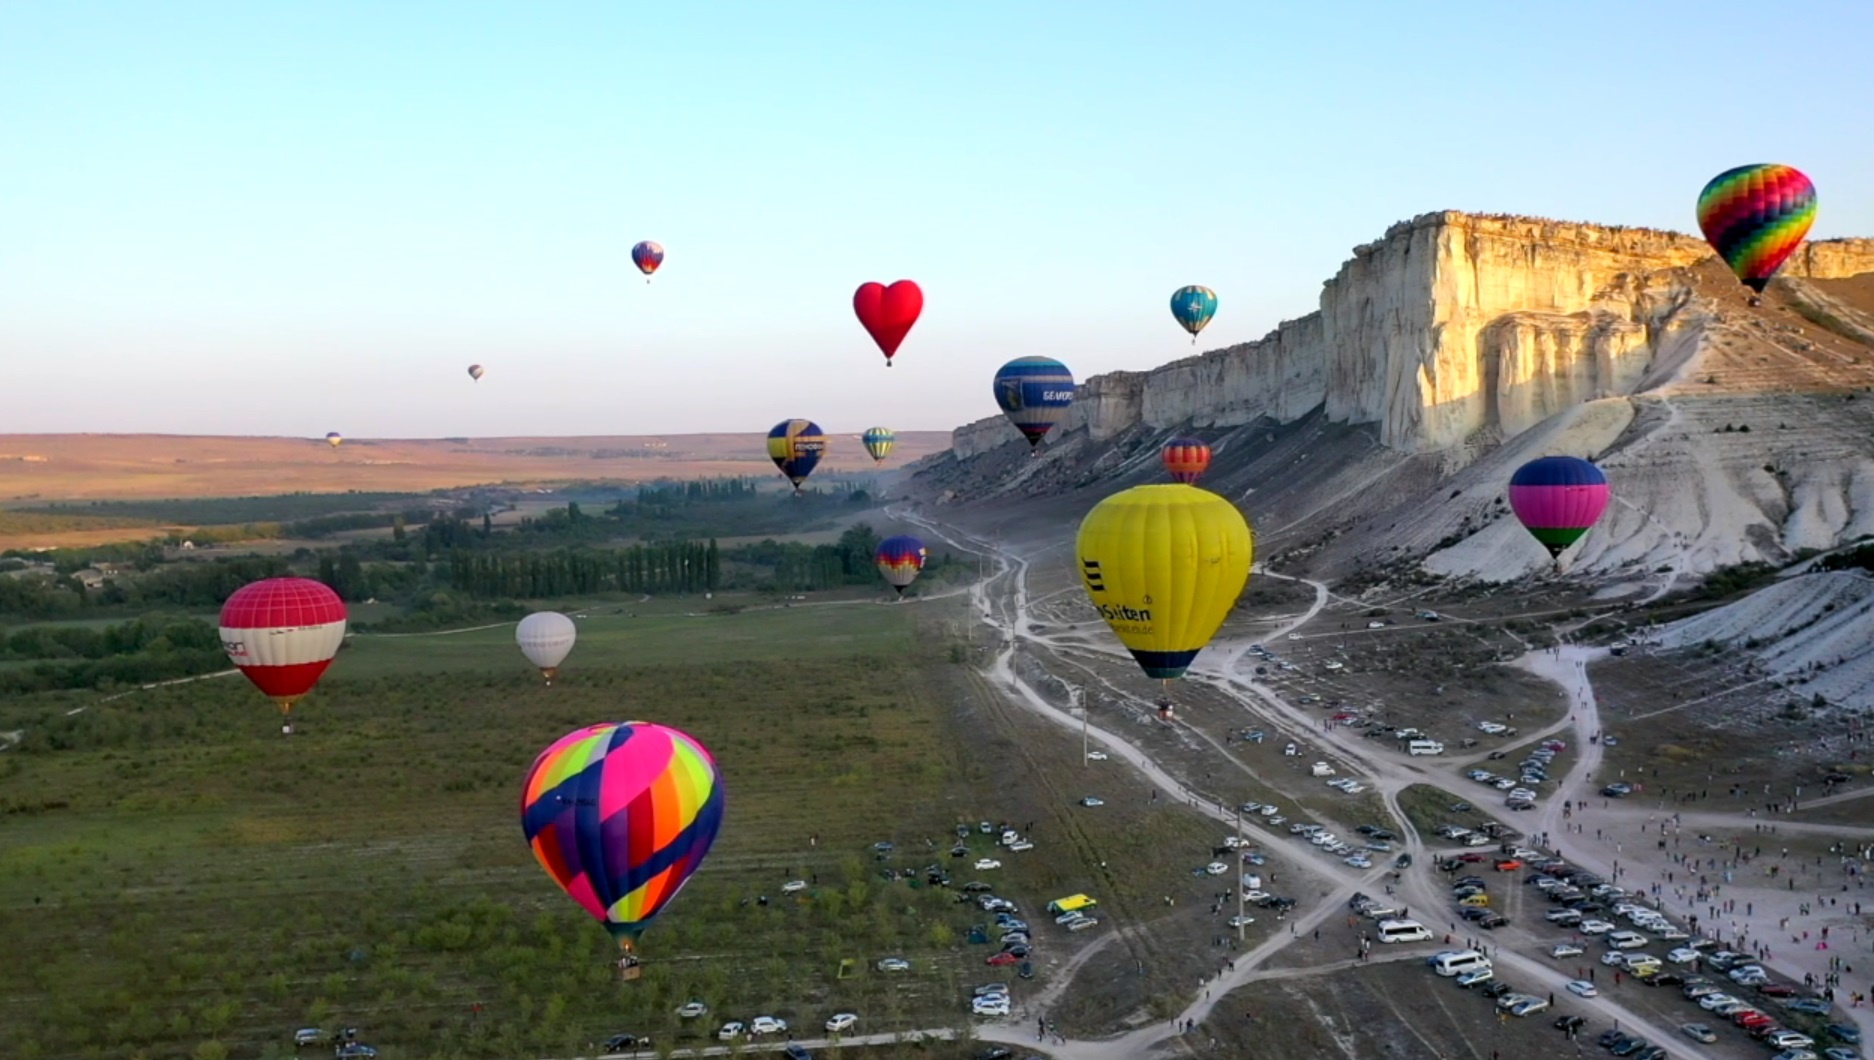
(1164, 565)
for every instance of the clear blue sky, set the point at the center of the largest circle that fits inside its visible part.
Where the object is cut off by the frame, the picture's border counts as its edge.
(289, 218)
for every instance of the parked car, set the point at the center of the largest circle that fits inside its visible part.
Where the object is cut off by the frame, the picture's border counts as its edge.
(618, 1043)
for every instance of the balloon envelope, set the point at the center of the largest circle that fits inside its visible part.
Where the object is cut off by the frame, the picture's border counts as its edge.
(1186, 459)
(546, 638)
(900, 559)
(282, 633)
(1163, 565)
(1557, 498)
(1755, 217)
(333, 439)
(476, 372)
(647, 256)
(1193, 306)
(879, 442)
(620, 815)
(1035, 393)
(888, 312)
(795, 447)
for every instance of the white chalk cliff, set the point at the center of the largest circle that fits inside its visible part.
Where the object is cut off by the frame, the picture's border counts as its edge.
(1453, 328)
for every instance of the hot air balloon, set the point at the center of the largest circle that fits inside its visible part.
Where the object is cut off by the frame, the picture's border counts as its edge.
(334, 439)
(620, 815)
(476, 372)
(900, 559)
(888, 312)
(879, 442)
(1163, 565)
(282, 633)
(1193, 306)
(647, 256)
(1186, 459)
(1557, 498)
(795, 447)
(545, 638)
(1755, 217)
(1035, 392)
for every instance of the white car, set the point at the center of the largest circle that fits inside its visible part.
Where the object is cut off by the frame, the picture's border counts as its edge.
(1594, 927)
(994, 1005)
(1092, 800)
(1683, 955)
(767, 1025)
(732, 1030)
(1626, 940)
(1096, 756)
(691, 1010)
(1216, 868)
(1294, 636)
(894, 964)
(793, 886)
(843, 1021)
(1582, 988)
(985, 864)
(1332, 664)
(1565, 949)
(1242, 921)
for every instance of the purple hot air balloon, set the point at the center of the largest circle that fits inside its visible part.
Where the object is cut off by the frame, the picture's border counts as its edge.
(1558, 498)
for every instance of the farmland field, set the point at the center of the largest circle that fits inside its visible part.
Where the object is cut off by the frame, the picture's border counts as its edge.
(181, 880)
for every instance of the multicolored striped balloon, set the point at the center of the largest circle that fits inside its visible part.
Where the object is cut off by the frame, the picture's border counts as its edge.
(620, 815)
(1035, 393)
(1558, 498)
(1186, 459)
(879, 442)
(1755, 217)
(900, 559)
(1193, 306)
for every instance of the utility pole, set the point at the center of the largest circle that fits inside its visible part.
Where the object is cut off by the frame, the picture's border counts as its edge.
(1080, 696)
(1239, 873)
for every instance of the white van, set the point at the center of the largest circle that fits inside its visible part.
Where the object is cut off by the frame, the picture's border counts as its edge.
(1403, 931)
(1450, 964)
(1425, 747)
(1322, 769)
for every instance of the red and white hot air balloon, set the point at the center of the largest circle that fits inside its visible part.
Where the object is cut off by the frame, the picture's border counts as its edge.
(282, 633)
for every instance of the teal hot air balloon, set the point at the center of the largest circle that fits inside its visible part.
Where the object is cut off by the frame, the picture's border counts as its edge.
(1035, 393)
(1193, 306)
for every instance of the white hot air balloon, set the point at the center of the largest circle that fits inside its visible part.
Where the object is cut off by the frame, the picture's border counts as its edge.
(546, 637)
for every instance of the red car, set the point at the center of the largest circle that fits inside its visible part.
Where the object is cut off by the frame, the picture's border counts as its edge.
(1509, 865)
(1000, 959)
(1470, 859)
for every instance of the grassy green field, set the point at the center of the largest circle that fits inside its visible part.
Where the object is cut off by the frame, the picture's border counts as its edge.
(180, 880)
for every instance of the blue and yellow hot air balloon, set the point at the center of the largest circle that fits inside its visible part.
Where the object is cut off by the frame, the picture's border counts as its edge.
(334, 439)
(879, 442)
(1035, 393)
(795, 447)
(1193, 306)
(900, 559)
(1163, 565)
(620, 815)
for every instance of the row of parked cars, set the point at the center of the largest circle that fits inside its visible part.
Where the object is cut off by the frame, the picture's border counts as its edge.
(1591, 907)
(1471, 970)
(1378, 841)
(1521, 787)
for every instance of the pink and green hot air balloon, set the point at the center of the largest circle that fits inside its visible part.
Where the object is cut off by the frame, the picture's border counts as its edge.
(620, 815)
(1557, 498)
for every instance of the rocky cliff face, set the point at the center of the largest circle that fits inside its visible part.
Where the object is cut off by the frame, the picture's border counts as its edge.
(1451, 329)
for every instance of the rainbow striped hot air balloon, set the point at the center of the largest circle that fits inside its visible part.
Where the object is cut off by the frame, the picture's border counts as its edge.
(879, 441)
(1557, 498)
(620, 815)
(1186, 459)
(1755, 218)
(900, 559)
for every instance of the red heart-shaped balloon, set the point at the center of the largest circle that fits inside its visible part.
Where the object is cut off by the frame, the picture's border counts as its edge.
(888, 312)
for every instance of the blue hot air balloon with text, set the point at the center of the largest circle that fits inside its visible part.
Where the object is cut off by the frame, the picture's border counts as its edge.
(1035, 393)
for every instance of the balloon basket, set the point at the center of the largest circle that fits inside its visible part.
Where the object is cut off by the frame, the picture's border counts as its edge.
(549, 672)
(629, 969)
